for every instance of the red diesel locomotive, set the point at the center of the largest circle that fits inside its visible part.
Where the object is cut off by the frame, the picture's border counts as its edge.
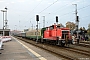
(58, 35)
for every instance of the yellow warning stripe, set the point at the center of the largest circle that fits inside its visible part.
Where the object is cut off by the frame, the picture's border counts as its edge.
(36, 54)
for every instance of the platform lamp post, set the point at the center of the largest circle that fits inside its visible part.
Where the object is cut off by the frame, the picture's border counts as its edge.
(37, 19)
(3, 20)
(6, 18)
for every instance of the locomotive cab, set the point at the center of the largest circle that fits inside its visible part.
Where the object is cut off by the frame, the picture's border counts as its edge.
(63, 36)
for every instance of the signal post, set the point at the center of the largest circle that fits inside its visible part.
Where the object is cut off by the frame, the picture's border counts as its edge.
(37, 19)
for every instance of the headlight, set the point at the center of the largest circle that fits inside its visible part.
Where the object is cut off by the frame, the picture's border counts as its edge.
(60, 37)
(63, 41)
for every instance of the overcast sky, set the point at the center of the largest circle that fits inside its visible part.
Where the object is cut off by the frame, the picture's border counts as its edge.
(21, 13)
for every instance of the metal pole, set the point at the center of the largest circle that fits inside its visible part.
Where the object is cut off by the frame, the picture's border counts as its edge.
(43, 21)
(77, 30)
(37, 33)
(32, 26)
(39, 25)
(75, 12)
(3, 23)
(37, 19)
(77, 23)
(6, 18)
(56, 30)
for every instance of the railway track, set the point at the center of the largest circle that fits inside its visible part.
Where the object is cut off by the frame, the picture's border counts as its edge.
(67, 53)
(84, 44)
(78, 51)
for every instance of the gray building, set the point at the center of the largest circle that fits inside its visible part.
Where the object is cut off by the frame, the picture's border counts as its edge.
(6, 32)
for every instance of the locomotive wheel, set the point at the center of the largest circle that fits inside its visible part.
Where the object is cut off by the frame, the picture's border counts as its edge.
(62, 44)
(43, 40)
(67, 45)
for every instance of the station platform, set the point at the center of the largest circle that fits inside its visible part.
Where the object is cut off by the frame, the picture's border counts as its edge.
(19, 50)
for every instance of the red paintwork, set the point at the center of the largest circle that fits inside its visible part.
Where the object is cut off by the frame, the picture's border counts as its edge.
(59, 32)
(54, 33)
(47, 33)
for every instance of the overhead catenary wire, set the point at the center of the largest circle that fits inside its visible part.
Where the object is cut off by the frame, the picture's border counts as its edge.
(66, 13)
(50, 6)
(55, 11)
(77, 9)
(35, 7)
(68, 4)
(46, 8)
(84, 7)
(73, 11)
(61, 8)
(33, 10)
